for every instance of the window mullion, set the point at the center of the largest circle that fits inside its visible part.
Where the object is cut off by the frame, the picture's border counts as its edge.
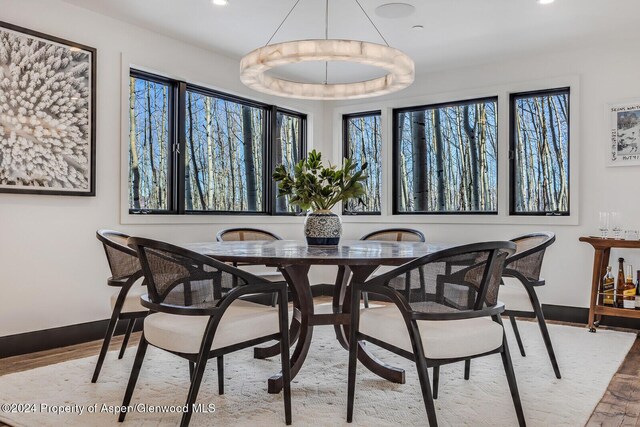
(180, 148)
(270, 189)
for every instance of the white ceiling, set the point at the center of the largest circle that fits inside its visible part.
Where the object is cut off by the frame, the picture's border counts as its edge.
(456, 33)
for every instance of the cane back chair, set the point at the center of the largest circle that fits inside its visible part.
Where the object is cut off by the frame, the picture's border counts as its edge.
(393, 235)
(197, 313)
(520, 298)
(241, 234)
(125, 303)
(455, 317)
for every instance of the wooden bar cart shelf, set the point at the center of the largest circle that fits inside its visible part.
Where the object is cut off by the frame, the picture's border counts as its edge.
(600, 262)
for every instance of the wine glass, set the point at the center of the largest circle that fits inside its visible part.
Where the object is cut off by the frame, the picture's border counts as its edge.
(604, 224)
(616, 224)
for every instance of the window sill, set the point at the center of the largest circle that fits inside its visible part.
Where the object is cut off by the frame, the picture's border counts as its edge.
(160, 219)
(463, 219)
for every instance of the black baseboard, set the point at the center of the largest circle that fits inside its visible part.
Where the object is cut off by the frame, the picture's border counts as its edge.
(565, 313)
(46, 339)
(30, 342)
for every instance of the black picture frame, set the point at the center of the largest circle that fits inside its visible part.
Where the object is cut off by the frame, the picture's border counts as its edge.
(71, 168)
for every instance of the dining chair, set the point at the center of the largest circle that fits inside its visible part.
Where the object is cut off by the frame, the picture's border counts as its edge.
(125, 302)
(454, 318)
(197, 312)
(246, 233)
(519, 294)
(393, 235)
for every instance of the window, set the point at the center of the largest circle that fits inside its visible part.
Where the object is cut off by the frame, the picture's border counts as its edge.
(362, 143)
(224, 169)
(539, 153)
(150, 137)
(195, 150)
(289, 148)
(445, 158)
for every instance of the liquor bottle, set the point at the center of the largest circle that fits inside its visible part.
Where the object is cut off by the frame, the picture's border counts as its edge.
(638, 290)
(608, 287)
(629, 292)
(620, 283)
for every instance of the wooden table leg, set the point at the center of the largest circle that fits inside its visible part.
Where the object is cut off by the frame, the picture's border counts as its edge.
(342, 279)
(388, 372)
(595, 285)
(298, 280)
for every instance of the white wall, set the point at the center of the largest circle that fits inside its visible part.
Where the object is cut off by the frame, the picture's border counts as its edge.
(53, 271)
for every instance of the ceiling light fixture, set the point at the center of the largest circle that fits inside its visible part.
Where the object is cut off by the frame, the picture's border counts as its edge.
(399, 67)
(220, 2)
(545, 1)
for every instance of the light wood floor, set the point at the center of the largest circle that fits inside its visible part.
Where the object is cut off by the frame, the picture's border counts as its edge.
(619, 407)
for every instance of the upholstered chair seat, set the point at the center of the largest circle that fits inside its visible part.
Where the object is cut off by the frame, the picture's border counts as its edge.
(442, 339)
(243, 321)
(514, 296)
(131, 301)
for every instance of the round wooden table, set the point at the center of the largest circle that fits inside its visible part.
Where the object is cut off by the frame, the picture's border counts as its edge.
(356, 259)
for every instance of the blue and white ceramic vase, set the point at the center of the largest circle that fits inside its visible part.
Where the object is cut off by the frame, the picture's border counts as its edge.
(323, 228)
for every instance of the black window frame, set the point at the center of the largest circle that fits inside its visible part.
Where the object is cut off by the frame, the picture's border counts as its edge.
(178, 145)
(345, 154)
(302, 151)
(513, 97)
(172, 114)
(395, 148)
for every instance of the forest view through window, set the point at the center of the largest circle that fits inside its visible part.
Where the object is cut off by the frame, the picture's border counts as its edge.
(540, 153)
(195, 150)
(362, 143)
(445, 158)
(225, 148)
(288, 151)
(149, 144)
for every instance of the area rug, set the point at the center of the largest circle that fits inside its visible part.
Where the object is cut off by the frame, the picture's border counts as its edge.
(587, 361)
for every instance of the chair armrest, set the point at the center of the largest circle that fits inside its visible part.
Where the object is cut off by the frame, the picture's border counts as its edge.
(215, 307)
(460, 315)
(508, 272)
(118, 283)
(209, 309)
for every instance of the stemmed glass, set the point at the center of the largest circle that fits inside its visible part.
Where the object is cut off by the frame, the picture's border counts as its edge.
(616, 224)
(604, 224)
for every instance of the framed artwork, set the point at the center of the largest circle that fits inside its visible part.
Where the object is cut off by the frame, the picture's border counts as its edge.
(624, 134)
(47, 114)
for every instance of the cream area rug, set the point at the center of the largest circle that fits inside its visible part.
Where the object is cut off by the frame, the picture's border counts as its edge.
(587, 361)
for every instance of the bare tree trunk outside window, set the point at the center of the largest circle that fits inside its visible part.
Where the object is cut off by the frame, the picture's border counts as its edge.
(249, 165)
(133, 152)
(418, 138)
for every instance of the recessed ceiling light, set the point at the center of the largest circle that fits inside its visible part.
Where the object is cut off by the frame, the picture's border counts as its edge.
(220, 2)
(395, 10)
(545, 1)
(417, 28)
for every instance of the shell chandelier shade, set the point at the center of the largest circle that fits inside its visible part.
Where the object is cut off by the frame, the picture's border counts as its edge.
(400, 68)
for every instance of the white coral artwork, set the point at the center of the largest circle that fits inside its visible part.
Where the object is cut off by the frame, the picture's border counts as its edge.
(46, 136)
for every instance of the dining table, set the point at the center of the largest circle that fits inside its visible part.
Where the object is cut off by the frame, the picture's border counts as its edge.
(356, 261)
